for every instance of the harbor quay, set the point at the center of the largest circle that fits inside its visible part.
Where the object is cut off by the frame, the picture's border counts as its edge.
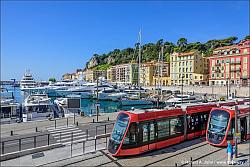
(30, 135)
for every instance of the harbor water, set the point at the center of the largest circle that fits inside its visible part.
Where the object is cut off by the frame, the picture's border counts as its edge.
(88, 106)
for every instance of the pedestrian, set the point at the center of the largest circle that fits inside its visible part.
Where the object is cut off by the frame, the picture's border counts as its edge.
(229, 152)
(233, 155)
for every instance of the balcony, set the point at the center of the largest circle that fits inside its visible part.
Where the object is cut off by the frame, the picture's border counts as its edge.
(217, 70)
(236, 63)
(235, 70)
(217, 64)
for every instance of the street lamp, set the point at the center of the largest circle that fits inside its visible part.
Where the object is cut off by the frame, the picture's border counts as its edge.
(182, 76)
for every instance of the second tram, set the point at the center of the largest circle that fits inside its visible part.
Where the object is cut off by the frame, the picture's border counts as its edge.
(221, 125)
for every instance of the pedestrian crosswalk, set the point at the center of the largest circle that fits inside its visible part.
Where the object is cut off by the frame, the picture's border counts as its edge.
(67, 134)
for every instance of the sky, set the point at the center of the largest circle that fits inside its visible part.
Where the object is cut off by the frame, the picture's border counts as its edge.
(51, 38)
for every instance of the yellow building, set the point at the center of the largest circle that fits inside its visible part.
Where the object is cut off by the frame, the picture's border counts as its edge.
(164, 81)
(67, 76)
(92, 75)
(189, 68)
(146, 74)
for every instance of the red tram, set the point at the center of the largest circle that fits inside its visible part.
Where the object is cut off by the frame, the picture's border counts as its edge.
(139, 131)
(221, 125)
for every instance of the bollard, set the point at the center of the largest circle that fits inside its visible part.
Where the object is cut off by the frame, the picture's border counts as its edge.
(175, 164)
(191, 160)
(48, 139)
(55, 123)
(36, 129)
(67, 122)
(34, 141)
(2, 148)
(93, 120)
(11, 132)
(95, 144)
(96, 130)
(108, 118)
(71, 137)
(105, 128)
(77, 123)
(20, 147)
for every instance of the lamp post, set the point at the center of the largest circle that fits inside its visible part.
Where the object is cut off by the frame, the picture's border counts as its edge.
(227, 88)
(97, 99)
(182, 76)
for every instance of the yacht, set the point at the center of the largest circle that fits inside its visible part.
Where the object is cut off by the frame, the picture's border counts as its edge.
(110, 94)
(9, 108)
(37, 106)
(27, 81)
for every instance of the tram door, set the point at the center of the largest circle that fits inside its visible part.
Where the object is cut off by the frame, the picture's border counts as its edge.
(148, 136)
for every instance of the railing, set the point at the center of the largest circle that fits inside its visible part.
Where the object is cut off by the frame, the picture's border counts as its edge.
(235, 70)
(19, 144)
(24, 143)
(217, 64)
(236, 62)
(217, 70)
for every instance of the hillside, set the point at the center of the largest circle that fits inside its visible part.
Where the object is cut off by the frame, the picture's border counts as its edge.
(150, 51)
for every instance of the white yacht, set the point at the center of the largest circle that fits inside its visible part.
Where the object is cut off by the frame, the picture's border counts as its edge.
(37, 106)
(27, 81)
(110, 94)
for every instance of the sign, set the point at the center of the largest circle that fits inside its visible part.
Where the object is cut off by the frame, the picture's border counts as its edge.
(237, 134)
(74, 103)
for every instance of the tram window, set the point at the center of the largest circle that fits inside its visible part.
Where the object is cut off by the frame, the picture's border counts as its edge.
(173, 123)
(130, 138)
(145, 132)
(163, 128)
(152, 131)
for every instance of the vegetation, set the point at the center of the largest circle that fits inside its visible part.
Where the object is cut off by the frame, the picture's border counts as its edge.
(150, 51)
(52, 79)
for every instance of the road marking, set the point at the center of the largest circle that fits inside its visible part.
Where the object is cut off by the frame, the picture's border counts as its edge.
(61, 127)
(64, 130)
(69, 138)
(63, 136)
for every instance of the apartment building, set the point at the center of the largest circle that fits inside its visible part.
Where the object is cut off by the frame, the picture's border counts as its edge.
(161, 77)
(231, 65)
(190, 68)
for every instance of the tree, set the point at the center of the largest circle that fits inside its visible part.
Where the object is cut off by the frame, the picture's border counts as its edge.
(182, 42)
(247, 37)
(52, 79)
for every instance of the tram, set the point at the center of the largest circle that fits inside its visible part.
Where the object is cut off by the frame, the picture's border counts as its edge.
(221, 125)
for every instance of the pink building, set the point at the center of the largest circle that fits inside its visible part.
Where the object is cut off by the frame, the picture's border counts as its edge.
(230, 64)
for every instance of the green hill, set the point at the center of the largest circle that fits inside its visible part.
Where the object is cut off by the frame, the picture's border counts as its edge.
(150, 51)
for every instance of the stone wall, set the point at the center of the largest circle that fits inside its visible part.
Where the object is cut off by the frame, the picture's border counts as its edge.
(219, 90)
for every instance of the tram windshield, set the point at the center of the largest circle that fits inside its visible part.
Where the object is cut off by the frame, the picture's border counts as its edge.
(218, 122)
(118, 132)
(120, 127)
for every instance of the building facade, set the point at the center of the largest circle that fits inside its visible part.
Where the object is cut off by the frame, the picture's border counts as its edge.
(189, 68)
(231, 65)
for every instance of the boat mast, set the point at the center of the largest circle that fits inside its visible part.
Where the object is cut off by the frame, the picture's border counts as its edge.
(139, 65)
(161, 67)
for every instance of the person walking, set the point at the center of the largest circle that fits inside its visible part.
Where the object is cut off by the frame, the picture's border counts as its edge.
(229, 152)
